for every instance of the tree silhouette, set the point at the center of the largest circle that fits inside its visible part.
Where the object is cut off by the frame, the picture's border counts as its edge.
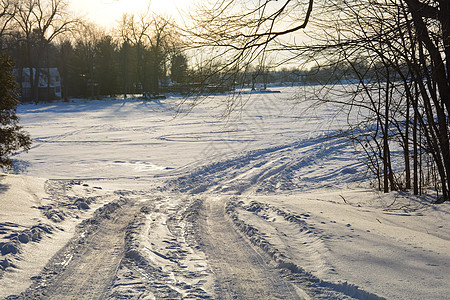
(12, 136)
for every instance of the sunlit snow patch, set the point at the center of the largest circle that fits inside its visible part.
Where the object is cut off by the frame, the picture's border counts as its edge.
(140, 166)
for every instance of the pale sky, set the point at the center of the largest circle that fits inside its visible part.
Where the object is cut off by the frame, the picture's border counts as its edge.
(106, 12)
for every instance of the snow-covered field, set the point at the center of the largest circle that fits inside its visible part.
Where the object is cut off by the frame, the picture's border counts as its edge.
(132, 141)
(287, 182)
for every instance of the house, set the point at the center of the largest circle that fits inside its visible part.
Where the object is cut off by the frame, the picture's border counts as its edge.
(49, 86)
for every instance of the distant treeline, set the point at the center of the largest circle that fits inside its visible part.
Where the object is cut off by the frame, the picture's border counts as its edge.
(143, 54)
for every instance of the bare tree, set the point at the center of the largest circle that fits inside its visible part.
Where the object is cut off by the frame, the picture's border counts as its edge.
(405, 65)
(8, 9)
(154, 39)
(239, 34)
(87, 36)
(245, 25)
(404, 88)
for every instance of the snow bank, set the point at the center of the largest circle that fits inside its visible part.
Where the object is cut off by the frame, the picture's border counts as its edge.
(37, 218)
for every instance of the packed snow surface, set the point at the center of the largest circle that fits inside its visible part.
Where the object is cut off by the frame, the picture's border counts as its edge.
(289, 177)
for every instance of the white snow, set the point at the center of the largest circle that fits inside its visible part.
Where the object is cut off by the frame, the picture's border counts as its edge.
(388, 252)
(20, 200)
(271, 152)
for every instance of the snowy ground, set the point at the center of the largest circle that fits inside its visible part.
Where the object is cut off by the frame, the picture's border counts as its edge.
(204, 207)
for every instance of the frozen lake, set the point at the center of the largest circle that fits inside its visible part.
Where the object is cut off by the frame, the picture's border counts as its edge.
(134, 140)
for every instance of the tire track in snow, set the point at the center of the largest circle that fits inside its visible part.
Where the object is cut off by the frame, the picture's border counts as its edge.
(258, 233)
(273, 169)
(160, 260)
(240, 271)
(280, 228)
(59, 138)
(86, 266)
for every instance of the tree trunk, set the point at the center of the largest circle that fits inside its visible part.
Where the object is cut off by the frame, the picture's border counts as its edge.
(406, 146)
(386, 159)
(37, 76)
(415, 151)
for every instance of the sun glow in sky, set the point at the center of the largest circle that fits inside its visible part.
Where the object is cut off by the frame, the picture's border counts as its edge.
(106, 13)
